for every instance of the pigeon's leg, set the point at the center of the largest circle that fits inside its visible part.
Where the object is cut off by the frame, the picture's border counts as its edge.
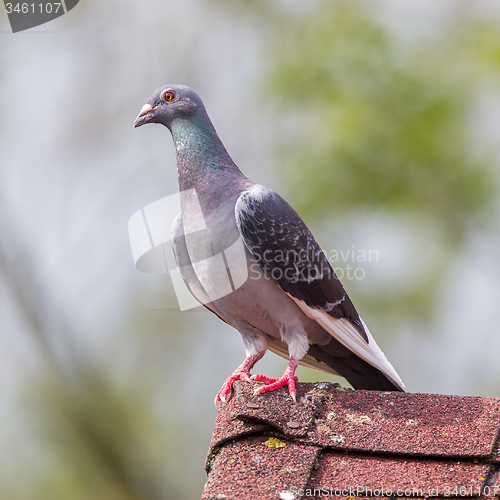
(288, 379)
(241, 373)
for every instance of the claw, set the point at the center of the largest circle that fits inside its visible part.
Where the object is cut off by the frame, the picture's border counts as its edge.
(241, 373)
(218, 398)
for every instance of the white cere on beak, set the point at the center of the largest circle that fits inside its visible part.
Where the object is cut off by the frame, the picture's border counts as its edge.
(145, 109)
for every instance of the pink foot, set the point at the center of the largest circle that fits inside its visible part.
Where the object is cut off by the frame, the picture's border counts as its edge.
(241, 373)
(288, 379)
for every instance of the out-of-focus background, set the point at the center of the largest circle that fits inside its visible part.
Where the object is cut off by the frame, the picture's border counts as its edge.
(378, 120)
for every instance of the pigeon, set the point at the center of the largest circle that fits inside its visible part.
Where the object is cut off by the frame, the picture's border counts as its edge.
(284, 294)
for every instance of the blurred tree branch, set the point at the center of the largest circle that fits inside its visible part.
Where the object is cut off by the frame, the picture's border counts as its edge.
(92, 417)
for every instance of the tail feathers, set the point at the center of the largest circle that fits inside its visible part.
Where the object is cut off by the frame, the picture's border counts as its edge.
(359, 373)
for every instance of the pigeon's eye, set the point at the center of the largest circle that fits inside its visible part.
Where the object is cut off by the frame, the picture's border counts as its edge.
(167, 95)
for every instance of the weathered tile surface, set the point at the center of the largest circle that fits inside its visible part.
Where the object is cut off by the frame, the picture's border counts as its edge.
(356, 475)
(444, 446)
(259, 468)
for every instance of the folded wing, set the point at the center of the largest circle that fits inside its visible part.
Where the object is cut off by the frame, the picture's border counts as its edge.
(286, 250)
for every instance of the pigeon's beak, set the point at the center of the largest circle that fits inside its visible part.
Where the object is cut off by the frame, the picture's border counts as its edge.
(143, 115)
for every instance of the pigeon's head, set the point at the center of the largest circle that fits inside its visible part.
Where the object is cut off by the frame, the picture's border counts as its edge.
(170, 102)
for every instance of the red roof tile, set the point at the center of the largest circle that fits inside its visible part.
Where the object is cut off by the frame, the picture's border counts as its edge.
(497, 450)
(399, 476)
(493, 486)
(338, 438)
(258, 467)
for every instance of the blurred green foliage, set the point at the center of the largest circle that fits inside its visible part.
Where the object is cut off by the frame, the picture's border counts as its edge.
(384, 124)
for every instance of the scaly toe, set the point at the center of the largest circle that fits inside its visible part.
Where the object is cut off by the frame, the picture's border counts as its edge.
(263, 378)
(286, 380)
